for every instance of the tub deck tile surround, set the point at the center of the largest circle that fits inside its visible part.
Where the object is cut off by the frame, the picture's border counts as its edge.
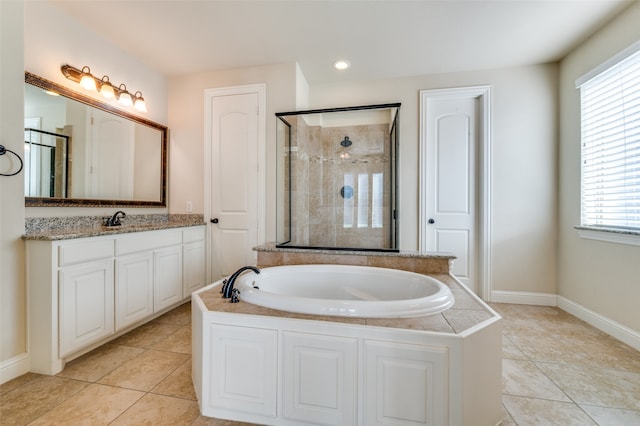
(66, 228)
(467, 311)
(463, 315)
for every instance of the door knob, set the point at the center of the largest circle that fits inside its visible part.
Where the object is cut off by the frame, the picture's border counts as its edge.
(214, 220)
(431, 221)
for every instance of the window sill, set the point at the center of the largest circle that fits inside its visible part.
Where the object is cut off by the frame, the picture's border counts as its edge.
(618, 236)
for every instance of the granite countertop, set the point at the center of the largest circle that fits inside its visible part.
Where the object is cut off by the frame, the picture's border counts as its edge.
(52, 229)
(271, 247)
(465, 313)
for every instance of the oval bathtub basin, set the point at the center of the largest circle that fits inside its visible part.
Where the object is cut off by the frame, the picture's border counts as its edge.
(344, 290)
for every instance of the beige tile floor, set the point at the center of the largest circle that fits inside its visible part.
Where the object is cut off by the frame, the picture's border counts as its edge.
(557, 370)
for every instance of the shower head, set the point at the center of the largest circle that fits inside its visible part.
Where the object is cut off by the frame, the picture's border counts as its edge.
(346, 142)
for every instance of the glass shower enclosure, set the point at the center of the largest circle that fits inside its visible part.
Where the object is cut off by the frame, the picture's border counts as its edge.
(337, 178)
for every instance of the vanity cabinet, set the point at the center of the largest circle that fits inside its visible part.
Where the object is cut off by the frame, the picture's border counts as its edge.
(167, 274)
(193, 261)
(134, 289)
(86, 304)
(83, 292)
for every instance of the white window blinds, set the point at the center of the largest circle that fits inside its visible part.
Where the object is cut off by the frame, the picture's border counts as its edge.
(610, 111)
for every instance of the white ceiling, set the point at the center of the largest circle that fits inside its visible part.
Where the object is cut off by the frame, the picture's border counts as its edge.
(382, 39)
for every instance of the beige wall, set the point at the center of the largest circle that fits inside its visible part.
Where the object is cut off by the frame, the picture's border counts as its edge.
(524, 154)
(523, 179)
(601, 276)
(12, 290)
(51, 39)
(186, 123)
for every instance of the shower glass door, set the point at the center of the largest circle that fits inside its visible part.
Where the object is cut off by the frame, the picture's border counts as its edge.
(337, 178)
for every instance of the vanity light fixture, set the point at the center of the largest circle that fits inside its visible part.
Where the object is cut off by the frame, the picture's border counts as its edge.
(104, 87)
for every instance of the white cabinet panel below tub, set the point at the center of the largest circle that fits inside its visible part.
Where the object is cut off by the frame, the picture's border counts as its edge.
(404, 384)
(243, 370)
(319, 378)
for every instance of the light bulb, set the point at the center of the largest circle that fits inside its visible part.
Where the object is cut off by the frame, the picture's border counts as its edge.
(86, 79)
(106, 89)
(139, 102)
(125, 97)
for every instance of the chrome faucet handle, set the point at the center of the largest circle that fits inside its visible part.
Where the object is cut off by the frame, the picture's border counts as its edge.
(224, 285)
(234, 296)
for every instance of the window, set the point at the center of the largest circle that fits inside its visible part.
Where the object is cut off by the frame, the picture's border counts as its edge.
(610, 135)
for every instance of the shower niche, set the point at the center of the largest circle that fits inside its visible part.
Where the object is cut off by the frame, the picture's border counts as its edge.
(337, 178)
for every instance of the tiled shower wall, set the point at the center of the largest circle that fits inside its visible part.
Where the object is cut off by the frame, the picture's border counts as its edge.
(318, 210)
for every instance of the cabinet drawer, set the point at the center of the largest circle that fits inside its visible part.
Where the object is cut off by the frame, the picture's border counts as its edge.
(84, 251)
(143, 241)
(193, 234)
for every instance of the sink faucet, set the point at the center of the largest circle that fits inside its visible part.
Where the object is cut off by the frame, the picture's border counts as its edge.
(228, 292)
(115, 219)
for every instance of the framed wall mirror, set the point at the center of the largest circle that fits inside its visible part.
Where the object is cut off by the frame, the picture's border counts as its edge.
(337, 178)
(82, 152)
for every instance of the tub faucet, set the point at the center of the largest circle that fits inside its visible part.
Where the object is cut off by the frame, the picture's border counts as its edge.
(115, 219)
(228, 292)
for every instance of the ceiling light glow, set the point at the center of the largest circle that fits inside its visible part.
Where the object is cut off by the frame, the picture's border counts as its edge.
(341, 64)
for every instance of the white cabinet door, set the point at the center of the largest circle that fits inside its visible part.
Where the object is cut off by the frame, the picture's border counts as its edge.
(243, 371)
(405, 384)
(134, 289)
(194, 267)
(86, 305)
(319, 378)
(167, 274)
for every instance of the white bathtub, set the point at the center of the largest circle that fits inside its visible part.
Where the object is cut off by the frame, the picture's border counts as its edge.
(344, 290)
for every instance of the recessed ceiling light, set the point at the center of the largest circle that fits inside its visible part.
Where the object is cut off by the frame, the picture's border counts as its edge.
(341, 64)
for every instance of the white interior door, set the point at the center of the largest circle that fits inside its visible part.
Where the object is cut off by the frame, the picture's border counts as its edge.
(111, 156)
(235, 149)
(450, 214)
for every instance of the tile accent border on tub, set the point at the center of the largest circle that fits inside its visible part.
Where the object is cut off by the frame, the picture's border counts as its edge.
(429, 263)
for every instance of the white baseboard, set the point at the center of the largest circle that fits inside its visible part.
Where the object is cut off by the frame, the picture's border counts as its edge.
(602, 323)
(613, 328)
(14, 367)
(524, 298)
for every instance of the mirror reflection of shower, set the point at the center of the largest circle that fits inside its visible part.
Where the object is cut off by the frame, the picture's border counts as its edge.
(337, 178)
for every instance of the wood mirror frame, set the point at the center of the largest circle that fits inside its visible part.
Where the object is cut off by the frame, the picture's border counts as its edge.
(100, 202)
